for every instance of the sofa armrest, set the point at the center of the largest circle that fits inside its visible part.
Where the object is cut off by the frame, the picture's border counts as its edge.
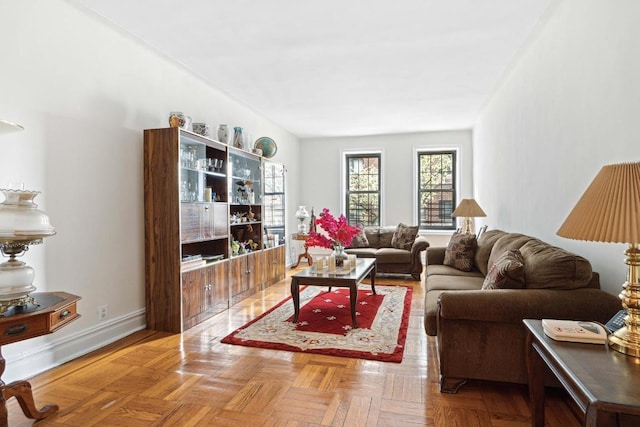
(435, 255)
(513, 305)
(419, 244)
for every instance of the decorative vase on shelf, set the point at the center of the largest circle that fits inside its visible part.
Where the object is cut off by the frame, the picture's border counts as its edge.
(223, 134)
(339, 254)
(237, 138)
(179, 119)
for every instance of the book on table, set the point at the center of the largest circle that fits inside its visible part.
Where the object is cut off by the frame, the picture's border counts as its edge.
(575, 331)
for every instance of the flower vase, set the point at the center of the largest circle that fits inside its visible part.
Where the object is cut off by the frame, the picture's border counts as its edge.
(238, 140)
(339, 254)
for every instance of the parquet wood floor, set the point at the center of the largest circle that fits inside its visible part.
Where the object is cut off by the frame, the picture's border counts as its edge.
(159, 379)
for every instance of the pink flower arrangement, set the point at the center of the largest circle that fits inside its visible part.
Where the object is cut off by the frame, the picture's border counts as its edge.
(340, 233)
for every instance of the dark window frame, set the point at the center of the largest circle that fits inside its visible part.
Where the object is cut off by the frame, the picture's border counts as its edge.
(354, 216)
(436, 215)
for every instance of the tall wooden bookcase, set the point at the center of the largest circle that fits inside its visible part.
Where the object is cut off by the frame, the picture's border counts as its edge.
(195, 217)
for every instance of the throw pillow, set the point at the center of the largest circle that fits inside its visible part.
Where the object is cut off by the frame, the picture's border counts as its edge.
(507, 272)
(360, 241)
(404, 236)
(461, 251)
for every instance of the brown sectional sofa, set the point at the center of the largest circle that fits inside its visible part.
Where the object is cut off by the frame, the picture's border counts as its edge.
(479, 332)
(389, 259)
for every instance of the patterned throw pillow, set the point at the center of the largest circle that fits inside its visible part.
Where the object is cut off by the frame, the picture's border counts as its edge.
(507, 272)
(461, 251)
(404, 236)
(360, 241)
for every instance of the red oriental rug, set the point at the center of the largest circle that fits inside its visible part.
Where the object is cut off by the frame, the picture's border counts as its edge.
(324, 324)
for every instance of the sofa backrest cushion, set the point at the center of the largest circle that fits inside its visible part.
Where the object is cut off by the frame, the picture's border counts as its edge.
(379, 237)
(404, 236)
(386, 235)
(372, 234)
(545, 266)
(550, 267)
(360, 241)
(483, 249)
(507, 272)
(460, 251)
(506, 242)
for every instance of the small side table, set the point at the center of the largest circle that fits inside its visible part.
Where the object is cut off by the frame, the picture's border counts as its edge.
(305, 254)
(55, 310)
(602, 382)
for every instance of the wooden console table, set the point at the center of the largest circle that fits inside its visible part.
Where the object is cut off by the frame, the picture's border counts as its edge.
(604, 383)
(55, 310)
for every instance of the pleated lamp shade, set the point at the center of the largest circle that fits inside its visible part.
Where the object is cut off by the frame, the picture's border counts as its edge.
(609, 210)
(468, 208)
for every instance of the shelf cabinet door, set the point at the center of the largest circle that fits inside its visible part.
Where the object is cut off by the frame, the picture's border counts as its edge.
(246, 275)
(193, 291)
(274, 260)
(220, 220)
(217, 288)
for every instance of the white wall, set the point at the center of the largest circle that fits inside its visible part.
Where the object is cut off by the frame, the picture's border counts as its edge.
(569, 106)
(321, 160)
(84, 92)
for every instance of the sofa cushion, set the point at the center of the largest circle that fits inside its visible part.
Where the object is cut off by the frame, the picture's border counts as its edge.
(372, 233)
(460, 251)
(506, 242)
(386, 235)
(360, 241)
(445, 270)
(404, 236)
(550, 267)
(393, 256)
(441, 284)
(507, 272)
(483, 250)
(362, 252)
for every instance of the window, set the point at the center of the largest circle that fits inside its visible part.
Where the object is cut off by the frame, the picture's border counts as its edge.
(436, 189)
(363, 188)
(273, 209)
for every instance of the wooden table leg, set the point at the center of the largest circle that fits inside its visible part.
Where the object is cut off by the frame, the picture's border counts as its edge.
(373, 278)
(535, 370)
(21, 390)
(353, 299)
(295, 297)
(306, 255)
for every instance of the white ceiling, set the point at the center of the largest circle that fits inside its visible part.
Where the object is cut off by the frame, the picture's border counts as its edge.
(341, 67)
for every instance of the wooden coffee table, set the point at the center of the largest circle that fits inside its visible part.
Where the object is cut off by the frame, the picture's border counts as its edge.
(309, 276)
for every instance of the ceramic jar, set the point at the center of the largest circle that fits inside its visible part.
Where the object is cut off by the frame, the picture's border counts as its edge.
(223, 134)
(202, 129)
(177, 119)
(238, 141)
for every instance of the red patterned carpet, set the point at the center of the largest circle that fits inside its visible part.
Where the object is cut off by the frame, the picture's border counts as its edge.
(324, 324)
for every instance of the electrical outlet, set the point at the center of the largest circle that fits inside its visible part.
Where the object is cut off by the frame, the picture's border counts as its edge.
(103, 312)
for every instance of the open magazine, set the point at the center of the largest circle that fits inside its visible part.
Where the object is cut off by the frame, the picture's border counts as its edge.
(575, 331)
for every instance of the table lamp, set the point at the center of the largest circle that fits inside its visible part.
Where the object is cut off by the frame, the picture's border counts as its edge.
(468, 208)
(21, 225)
(609, 211)
(302, 215)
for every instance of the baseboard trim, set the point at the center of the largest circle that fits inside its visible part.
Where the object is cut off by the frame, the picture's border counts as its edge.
(58, 351)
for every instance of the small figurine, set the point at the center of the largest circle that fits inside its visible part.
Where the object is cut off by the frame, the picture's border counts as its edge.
(312, 221)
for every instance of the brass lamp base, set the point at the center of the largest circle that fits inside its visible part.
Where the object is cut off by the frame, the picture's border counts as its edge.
(627, 339)
(621, 341)
(16, 302)
(467, 225)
